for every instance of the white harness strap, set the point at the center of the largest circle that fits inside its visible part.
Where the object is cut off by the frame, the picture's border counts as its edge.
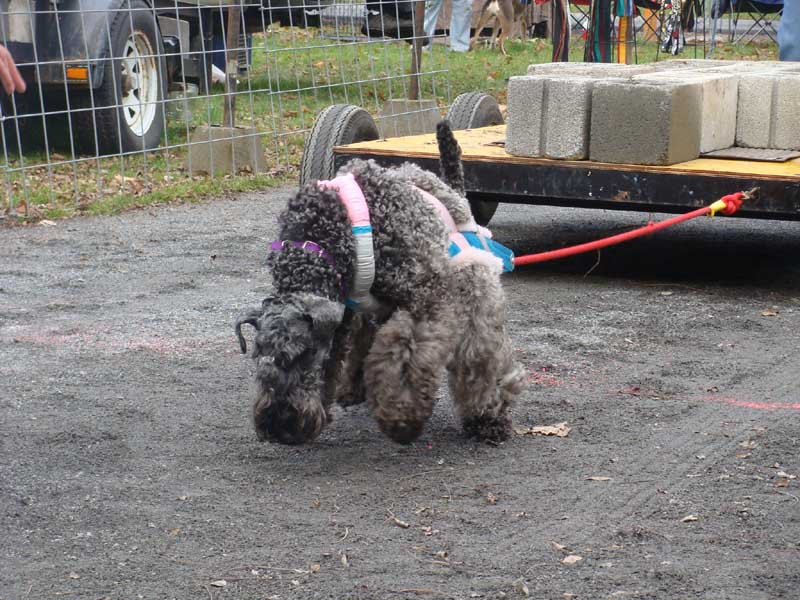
(360, 298)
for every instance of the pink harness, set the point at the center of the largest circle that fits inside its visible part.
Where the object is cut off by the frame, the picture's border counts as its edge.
(353, 199)
(467, 253)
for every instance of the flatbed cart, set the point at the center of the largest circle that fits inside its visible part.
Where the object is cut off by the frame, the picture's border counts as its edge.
(492, 175)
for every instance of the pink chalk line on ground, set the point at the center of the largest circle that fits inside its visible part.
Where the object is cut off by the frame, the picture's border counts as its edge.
(752, 404)
(111, 342)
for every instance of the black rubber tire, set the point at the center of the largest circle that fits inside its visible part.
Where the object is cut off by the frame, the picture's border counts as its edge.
(113, 135)
(470, 111)
(474, 109)
(335, 126)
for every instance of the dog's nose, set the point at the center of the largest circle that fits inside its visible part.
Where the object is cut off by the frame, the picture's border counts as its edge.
(403, 432)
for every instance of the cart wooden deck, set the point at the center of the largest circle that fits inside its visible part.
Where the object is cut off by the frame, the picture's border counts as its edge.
(493, 175)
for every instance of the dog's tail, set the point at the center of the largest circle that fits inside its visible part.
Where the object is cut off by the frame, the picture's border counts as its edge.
(450, 157)
(248, 318)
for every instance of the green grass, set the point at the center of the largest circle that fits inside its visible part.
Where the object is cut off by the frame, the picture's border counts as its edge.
(294, 74)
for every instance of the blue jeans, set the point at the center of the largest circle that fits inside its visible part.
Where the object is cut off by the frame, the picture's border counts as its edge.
(789, 31)
(460, 20)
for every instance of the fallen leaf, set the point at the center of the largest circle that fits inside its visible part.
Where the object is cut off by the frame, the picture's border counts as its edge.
(770, 312)
(786, 475)
(491, 498)
(219, 583)
(689, 519)
(397, 521)
(782, 483)
(743, 455)
(174, 532)
(558, 430)
(183, 497)
(559, 547)
(571, 559)
(521, 588)
(74, 575)
(344, 560)
(315, 568)
(598, 478)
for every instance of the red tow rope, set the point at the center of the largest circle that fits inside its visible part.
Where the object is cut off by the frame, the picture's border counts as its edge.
(727, 205)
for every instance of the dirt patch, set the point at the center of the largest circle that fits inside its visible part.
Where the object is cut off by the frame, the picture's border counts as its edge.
(130, 468)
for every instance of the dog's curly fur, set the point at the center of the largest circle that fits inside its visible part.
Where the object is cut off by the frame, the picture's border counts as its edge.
(437, 314)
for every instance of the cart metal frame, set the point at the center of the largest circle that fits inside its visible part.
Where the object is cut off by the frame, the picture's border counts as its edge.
(492, 175)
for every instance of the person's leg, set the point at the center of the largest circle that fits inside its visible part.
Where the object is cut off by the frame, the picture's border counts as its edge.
(460, 22)
(432, 10)
(789, 31)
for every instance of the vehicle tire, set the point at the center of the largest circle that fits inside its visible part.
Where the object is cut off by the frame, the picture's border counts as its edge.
(335, 126)
(128, 113)
(474, 109)
(470, 111)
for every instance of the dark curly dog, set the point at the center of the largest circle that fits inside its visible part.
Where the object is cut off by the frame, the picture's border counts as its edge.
(376, 310)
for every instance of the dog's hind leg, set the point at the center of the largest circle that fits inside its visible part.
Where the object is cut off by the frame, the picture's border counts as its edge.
(486, 14)
(483, 377)
(403, 370)
(505, 15)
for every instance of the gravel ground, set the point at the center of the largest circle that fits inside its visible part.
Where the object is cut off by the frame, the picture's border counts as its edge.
(130, 468)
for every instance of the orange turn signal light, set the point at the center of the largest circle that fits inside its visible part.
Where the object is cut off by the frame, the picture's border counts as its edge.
(77, 73)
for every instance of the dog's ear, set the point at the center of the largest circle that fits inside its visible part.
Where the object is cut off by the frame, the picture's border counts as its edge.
(325, 315)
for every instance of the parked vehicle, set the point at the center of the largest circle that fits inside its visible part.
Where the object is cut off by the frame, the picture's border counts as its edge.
(112, 63)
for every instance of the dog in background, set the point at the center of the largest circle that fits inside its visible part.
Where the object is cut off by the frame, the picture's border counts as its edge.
(506, 14)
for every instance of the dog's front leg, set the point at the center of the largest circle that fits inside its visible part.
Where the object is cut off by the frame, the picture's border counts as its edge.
(349, 383)
(402, 372)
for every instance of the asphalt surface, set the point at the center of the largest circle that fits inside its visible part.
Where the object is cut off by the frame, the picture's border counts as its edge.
(129, 467)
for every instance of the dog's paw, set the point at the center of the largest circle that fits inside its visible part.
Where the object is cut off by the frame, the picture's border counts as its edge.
(488, 429)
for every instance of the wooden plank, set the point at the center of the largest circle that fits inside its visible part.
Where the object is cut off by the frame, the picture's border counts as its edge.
(486, 145)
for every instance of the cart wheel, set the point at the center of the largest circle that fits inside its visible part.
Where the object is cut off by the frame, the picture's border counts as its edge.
(474, 109)
(336, 125)
(469, 111)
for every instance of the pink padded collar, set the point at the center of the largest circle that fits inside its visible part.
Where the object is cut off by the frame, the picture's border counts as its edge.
(351, 195)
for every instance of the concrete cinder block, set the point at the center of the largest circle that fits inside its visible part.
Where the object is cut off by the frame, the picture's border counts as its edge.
(720, 94)
(638, 122)
(525, 114)
(221, 150)
(584, 69)
(785, 125)
(567, 117)
(754, 109)
(689, 63)
(748, 66)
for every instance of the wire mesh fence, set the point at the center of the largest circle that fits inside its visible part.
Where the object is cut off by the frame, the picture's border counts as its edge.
(128, 98)
(131, 99)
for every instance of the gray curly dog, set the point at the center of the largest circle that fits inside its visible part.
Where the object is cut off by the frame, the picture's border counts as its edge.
(427, 311)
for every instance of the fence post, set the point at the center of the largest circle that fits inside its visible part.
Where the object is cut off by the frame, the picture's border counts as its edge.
(231, 64)
(416, 48)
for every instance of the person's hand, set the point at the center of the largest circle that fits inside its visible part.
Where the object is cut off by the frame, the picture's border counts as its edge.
(9, 75)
